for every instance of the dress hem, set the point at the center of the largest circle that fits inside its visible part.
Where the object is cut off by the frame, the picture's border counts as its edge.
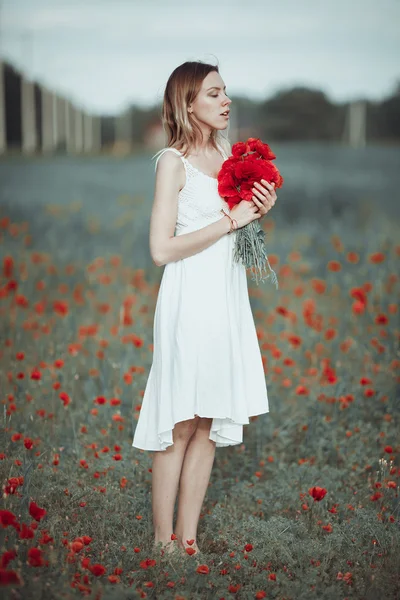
(218, 432)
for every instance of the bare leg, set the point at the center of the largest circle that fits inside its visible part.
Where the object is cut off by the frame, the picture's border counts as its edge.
(196, 470)
(166, 470)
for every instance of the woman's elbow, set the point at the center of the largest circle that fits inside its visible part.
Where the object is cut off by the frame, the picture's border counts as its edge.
(157, 259)
(159, 254)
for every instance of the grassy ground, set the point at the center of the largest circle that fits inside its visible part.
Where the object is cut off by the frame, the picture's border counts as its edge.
(307, 506)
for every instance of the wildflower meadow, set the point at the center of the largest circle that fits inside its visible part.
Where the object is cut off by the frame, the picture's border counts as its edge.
(306, 507)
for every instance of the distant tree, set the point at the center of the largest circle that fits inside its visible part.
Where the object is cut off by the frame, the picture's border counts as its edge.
(390, 117)
(300, 114)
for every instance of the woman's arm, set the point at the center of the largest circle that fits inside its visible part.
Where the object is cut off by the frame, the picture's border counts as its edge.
(164, 246)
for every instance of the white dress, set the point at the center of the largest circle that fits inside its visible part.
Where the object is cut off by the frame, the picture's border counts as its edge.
(206, 356)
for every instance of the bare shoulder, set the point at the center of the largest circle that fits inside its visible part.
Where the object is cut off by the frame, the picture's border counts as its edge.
(170, 165)
(169, 160)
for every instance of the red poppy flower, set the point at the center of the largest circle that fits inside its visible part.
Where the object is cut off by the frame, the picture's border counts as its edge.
(318, 493)
(203, 569)
(250, 162)
(36, 512)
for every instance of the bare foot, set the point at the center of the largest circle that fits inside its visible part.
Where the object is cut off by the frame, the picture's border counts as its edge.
(167, 547)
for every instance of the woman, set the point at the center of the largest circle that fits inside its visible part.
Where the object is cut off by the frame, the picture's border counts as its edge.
(207, 376)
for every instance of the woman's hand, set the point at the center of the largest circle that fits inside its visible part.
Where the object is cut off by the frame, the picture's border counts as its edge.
(244, 212)
(264, 196)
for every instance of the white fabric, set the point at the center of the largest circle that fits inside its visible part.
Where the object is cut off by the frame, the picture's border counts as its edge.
(206, 356)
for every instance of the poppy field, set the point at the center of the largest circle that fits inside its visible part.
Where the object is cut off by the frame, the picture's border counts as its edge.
(306, 507)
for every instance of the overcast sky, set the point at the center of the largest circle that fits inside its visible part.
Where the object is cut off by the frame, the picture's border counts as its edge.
(105, 54)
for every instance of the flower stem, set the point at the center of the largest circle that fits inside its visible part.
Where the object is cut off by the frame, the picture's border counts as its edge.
(250, 250)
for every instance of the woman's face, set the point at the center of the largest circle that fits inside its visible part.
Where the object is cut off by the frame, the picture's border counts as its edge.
(211, 102)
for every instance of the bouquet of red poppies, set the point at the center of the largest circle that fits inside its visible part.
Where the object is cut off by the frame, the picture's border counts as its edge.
(251, 161)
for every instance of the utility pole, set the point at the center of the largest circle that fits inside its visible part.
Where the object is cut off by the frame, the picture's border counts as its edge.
(1, 22)
(355, 129)
(3, 136)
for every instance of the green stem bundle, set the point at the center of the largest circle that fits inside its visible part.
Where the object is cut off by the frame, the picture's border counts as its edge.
(250, 250)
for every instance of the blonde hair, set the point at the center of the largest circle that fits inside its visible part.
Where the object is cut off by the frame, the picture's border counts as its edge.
(182, 88)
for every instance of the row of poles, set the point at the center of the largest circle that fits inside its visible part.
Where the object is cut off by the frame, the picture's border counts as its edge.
(36, 119)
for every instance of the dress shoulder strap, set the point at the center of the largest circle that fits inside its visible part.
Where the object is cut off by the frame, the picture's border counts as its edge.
(161, 152)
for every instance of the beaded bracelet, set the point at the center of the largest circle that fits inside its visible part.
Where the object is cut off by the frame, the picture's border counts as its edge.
(234, 224)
